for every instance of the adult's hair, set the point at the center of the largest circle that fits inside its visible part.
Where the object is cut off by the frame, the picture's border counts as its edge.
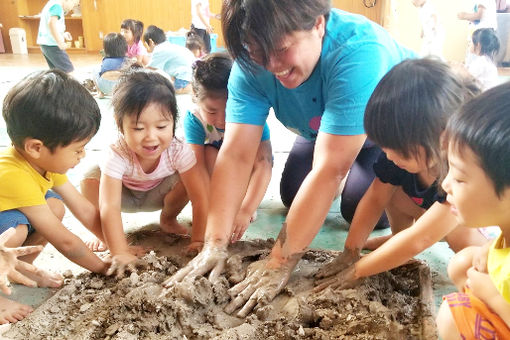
(210, 76)
(155, 34)
(265, 23)
(411, 105)
(115, 45)
(138, 89)
(194, 41)
(135, 26)
(488, 40)
(52, 107)
(483, 125)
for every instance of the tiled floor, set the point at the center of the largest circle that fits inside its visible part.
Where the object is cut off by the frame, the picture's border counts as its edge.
(271, 213)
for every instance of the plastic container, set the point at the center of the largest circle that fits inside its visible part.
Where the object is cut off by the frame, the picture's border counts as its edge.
(18, 40)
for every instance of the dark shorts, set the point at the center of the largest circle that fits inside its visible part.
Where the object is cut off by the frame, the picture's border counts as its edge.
(57, 58)
(13, 218)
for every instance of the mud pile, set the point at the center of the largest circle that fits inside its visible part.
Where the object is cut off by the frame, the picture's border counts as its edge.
(393, 305)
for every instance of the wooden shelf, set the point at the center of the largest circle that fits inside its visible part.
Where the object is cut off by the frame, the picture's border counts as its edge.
(37, 17)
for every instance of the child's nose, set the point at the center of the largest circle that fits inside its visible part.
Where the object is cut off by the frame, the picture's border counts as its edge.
(446, 183)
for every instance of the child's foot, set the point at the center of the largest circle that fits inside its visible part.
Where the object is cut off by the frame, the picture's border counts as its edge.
(96, 245)
(375, 242)
(171, 226)
(11, 311)
(44, 278)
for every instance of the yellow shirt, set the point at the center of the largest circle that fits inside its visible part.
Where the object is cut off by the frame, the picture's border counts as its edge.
(21, 185)
(498, 265)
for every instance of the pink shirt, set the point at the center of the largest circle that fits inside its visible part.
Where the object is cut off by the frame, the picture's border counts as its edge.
(119, 165)
(136, 50)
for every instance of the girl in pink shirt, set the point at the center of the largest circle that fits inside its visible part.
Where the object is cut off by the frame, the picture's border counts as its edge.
(132, 31)
(148, 168)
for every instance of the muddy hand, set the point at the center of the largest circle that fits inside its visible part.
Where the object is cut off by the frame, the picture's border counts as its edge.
(120, 263)
(9, 263)
(260, 287)
(341, 262)
(343, 280)
(212, 258)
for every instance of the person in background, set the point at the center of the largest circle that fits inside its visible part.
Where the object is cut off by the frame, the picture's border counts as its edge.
(50, 118)
(52, 34)
(195, 44)
(484, 48)
(478, 190)
(432, 32)
(200, 21)
(204, 128)
(132, 31)
(483, 15)
(115, 49)
(173, 59)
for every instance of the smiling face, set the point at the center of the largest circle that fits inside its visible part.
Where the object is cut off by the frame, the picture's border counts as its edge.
(128, 35)
(212, 111)
(61, 159)
(148, 136)
(471, 193)
(295, 57)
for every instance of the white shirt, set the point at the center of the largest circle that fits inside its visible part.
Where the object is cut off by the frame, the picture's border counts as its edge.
(195, 19)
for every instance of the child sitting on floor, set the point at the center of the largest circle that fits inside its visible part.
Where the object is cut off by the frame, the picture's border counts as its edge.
(174, 60)
(406, 115)
(204, 129)
(195, 44)
(148, 168)
(481, 63)
(132, 31)
(115, 49)
(50, 118)
(478, 190)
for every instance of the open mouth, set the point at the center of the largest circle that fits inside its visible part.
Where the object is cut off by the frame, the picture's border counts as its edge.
(150, 148)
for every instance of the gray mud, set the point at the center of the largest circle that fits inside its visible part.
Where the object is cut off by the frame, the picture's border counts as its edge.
(392, 305)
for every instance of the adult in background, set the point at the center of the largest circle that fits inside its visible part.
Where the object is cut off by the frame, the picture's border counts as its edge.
(316, 67)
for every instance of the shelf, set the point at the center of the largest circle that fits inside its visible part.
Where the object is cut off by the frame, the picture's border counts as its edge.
(37, 17)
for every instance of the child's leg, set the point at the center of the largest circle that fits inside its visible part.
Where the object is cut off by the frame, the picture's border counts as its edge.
(173, 203)
(401, 212)
(446, 324)
(462, 237)
(458, 266)
(11, 311)
(89, 188)
(210, 154)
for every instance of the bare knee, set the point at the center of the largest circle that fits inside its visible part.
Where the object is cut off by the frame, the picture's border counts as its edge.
(57, 207)
(458, 266)
(462, 237)
(446, 324)
(19, 237)
(89, 188)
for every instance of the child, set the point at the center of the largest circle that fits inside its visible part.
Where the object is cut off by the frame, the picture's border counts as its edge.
(481, 64)
(132, 31)
(148, 168)
(432, 32)
(406, 115)
(52, 34)
(483, 15)
(478, 190)
(195, 44)
(204, 129)
(200, 24)
(115, 49)
(174, 60)
(50, 118)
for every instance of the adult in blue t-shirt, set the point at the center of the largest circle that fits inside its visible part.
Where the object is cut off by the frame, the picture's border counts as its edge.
(316, 67)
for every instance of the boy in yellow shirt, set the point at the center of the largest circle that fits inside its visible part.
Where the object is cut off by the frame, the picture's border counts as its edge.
(50, 118)
(478, 190)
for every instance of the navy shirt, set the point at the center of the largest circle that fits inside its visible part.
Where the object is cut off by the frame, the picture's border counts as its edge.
(388, 172)
(111, 64)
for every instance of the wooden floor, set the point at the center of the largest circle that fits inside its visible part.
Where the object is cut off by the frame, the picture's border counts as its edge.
(37, 60)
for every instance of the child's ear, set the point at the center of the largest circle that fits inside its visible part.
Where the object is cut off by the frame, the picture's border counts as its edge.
(33, 147)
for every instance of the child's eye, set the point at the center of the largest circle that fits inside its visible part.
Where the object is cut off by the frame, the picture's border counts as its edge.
(161, 127)
(78, 152)
(138, 129)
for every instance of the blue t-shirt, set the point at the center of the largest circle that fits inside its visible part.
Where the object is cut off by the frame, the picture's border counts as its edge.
(197, 131)
(356, 54)
(111, 64)
(389, 172)
(174, 59)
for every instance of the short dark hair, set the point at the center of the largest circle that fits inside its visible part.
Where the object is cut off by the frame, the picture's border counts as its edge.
(115, 45)
(483, 125)
(154, 33)
(52, 107)
(135, 26)
(210, 75)
(266, 22)
(488, 40)
(194, 41)
(139, 88)
(411, 104)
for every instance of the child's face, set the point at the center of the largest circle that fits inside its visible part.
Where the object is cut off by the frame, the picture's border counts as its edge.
(212, 111)
(127, 34)
(471, 192)
(413, 164)
(62, 159)
(150, 135)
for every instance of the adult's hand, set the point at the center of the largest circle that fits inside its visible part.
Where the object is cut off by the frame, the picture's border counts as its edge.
(341, 262)
(9, 264)
(212, 258)
(264, 280)
(343, 280)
